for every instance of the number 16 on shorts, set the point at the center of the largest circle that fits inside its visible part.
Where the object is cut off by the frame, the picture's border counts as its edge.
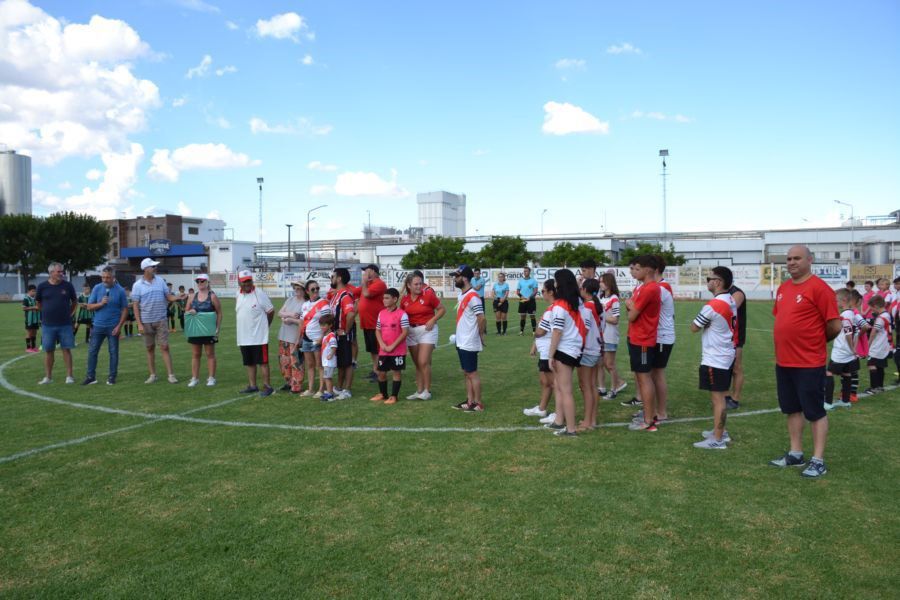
(391, 363)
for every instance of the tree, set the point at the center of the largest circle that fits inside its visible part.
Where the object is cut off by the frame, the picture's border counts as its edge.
(504, 250)
(22, 243)
(567, 254)
(437, 252)
(79, 242)
(669, 255)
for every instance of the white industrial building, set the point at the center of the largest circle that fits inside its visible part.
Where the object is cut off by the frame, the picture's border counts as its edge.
(15, 183)
(442, 213)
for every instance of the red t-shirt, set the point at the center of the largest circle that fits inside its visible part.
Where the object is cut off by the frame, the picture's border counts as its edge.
(341, 304)
(422, 310)
(370, 307)
(355, 290)
(801, 311)
(648, 300)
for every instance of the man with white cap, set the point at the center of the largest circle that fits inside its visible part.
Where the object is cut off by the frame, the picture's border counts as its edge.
(254, 313)
(150, 298)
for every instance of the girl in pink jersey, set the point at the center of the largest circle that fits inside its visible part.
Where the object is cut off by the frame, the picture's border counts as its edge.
(391, 330)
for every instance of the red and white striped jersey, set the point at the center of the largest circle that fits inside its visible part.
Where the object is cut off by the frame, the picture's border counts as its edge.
(718, 320)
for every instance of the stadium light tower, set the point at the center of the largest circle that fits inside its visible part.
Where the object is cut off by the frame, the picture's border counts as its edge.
(308, 213)
(542, 233)
(852, 225)
(664, 154)
(289, 225)
(259, 180)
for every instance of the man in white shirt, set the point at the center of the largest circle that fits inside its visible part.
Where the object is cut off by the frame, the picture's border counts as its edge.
(254, 313)
(469, 337)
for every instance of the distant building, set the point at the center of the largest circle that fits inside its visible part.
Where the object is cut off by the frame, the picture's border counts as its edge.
(442, 213)
(15, 183)
(229, 256)
(176, 241)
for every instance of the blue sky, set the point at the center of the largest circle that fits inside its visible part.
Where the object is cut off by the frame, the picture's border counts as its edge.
(770, 110)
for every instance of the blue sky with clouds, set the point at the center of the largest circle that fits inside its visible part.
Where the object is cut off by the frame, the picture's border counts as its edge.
(770, 110)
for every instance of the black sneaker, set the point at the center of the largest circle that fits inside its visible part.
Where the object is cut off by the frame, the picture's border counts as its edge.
(267, 390)
(731, 403)
(372, 377)
(461, 406)
(555, 427)
(285, 388)
(250, 389)
(89, 381)
(474, 408)
(788, 460)
(565, 433)
(110, 380)
(633, 402)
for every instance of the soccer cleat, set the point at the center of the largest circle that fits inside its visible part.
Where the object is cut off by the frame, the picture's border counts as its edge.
(565, 433)
(267, 391)
(193, 382)
(788, 460)
(474, 408)
(425, 395)
(45, 381)
(461, 406)
(250, 389)
(391, 400)
(709, 433)
(414, 396)
(731, 403)
(711, 443)
(70, 379)
(172, 378)
(549, 418)
(89, 381)
(210, 382)
(854, 398)
(632, 402)
(815, 468)
(377, 398)
(534, 411)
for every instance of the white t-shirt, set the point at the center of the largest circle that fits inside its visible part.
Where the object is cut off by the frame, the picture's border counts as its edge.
(718, 320)
(313, 329)
(665, 333)
(610, 307)
(592, 341)
(252, 324)
(880, 337)
(467, 335)
(570, 342)
(329, 343)
(543, 343)
(842, 350)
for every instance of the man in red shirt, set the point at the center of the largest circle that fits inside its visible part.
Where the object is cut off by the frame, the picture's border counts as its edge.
(806, 319)
(370, 304)
(643, 321)
(343, 307)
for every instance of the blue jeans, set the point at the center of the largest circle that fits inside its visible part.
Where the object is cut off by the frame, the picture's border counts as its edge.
(98, 334)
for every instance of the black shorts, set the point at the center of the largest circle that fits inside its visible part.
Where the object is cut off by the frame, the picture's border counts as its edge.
(344, 353)
(468, 360)
(641, 357)
(85, 321)
(255, 355)
(203, 341)
(351, 335)
(544, 366)
(501, 306)
(566, 359)
(34, 327)
(371, 341)
(801, 390)
(527, 307)
(391, 363)
(715, 380)
(847, 368)
(877, 362)
(661, 357)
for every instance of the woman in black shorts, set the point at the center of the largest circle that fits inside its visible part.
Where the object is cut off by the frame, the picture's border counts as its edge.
(204, 300)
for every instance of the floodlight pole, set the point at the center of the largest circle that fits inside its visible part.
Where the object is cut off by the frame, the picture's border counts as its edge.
(289, 247)
(308, 213)
(259, 180)
(852, 226)
(664, 154)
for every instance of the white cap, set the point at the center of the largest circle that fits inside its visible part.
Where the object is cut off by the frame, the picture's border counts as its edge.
(202, 277)
(147, 263)
(245, 275)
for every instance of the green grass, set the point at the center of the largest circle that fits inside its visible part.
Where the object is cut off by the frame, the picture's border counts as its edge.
(174, 509)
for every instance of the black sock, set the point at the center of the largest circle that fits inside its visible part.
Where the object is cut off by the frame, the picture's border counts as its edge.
(382, 387)
(829, 389)
(845, 389)
(87, 336)
(897, 362)
(533, 324)
(854, 383)
(498, 326)
(395, 388)
(522, 324)
(505, 322)
(877, 377)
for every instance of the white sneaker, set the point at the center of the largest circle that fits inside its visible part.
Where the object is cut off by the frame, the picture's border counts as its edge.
(601, 391)
(711, 444)
(172, 378)
(152, 379)
(425, 395)
(622, 387)
(829, 406)
(841, 404)
(344, 395)
(317, 395)
(193, 382)
(70, 379)
(709, 433)
(306, 393)
(45, 381)
(534, 411)
(549, 418)
(414, 396)
(211, 382)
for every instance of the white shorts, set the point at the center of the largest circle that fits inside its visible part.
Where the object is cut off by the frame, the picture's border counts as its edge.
(418, 335)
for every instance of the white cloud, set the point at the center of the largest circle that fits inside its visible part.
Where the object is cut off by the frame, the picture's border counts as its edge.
(368, 184)
(68, 89)
(301, 126)
(564, 118)
(307, 60)
(231, 25)
(624, 48)
(201, 70)
(220, 122)
(683, 119)
(659, 116)
(656, 116)
(167, 165)
(320, 166)
(93, 175)
(198, 5)
(282, 27)
(214, 214)
(178, 102)
(571, 64)
(226, 70)
(183, 209)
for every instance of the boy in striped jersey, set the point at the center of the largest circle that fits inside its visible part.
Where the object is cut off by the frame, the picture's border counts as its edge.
(844, 362)
(32, 319)
(880, 344)
(718, 322)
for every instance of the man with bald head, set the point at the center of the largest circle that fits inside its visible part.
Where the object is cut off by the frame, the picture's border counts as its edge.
(806, 318)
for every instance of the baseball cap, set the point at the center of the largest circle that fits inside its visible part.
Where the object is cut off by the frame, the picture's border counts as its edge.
(374, 267)
(202, 277)
(464, 271)
(147, 263)
(245, 276)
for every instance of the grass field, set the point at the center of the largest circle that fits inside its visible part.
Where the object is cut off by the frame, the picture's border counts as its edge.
(249, 504)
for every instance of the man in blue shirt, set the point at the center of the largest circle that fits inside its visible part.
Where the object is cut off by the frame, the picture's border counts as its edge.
(56, 299)
(478, 284)
(501, 303)
(150, 299)
(110, 306)
(527, 291)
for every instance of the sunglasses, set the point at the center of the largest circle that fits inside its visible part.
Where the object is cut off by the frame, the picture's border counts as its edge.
(313, 289)
(708, 279)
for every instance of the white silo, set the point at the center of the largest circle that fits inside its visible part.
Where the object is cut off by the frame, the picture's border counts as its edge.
(15, 183)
